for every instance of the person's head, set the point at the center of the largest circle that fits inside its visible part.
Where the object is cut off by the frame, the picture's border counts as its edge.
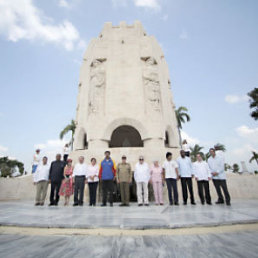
(81, 159)
(107, 154)
(123, 159)
(66, 145)
(169, 156)
(141, 159)
(156, 163)
(212, 152)
(58, 157)
(44, 160)
(93, 161)
(182, 153)
(69, 162)
(37, 151)
(199, 157)
(184, 141)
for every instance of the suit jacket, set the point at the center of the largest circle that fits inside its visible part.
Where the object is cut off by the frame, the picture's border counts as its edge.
(56, 172)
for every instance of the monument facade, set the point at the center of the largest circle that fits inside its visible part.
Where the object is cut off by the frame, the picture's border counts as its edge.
(125, 102)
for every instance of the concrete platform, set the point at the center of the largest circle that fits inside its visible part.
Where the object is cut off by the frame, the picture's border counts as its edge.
(25, 214)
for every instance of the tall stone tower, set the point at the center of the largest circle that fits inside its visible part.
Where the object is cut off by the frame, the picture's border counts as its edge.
(125, 102)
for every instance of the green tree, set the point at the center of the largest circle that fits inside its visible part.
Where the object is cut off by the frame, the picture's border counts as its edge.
(235, 168)
(227, 167)
(182, 116)
(220, 147)
(195, 150)
(254, 157)
(7, 165)
(253, 103)
(69, 128)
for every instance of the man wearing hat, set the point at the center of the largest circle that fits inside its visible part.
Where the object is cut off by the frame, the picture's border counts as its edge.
(124, 178)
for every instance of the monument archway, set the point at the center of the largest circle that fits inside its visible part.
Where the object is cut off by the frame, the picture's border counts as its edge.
(125, 136)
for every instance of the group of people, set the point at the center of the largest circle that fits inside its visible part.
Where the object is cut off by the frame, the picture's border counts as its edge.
(67, 180)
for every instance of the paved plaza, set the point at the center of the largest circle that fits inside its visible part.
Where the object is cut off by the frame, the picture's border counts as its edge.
(133, 217)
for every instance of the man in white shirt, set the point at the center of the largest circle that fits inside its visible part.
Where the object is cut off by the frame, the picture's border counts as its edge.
(41, 180)
(216, 164)
(170, 169)
(142, 177)
(79, 178)
(186, 172)
(36, 161)
(202, 175)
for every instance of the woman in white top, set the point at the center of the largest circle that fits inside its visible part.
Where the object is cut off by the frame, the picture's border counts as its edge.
(202, 175)
(66, 152)
(93, 179)
(186, 148)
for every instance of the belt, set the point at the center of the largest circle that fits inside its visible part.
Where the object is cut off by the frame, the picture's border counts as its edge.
(79, 176)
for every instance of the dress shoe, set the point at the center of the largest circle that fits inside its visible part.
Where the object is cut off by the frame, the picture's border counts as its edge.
(177, 204)
(103, 205)
(111, 204)
(219, 202)
(75, 204)
(209, 203)
(161, 204)
(146, 204)
(51, 204)
(228, 204)
(121, 205)
(140, 204)
(185, 203)
(193, 203)
(37, 204)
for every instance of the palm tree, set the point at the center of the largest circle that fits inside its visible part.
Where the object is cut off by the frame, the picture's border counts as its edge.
(254, 157)
(182, 117)
(235, 168)
(195, 150)
(220, 147)
(254, 103)
(70, 127)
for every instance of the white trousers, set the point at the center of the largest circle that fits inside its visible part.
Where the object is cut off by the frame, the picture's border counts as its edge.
(142, 193)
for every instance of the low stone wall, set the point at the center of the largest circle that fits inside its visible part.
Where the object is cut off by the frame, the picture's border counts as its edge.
(240, 187)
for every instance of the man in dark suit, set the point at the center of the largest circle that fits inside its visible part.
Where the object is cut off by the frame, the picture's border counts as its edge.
(56, 175)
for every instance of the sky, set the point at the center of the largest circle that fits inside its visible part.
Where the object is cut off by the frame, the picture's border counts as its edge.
(211, 48)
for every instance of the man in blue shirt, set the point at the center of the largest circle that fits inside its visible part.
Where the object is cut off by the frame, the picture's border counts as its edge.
(107, 175)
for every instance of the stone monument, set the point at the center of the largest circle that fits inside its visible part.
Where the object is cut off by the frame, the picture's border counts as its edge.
(125, 102)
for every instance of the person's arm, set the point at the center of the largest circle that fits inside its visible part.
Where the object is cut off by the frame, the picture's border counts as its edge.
(130, 174)
(50, 171)
(135, 174)
(64, 171)
(100, 170)
(195, 171)
(177, 173)
(208, 171)
(191, 167)
(117, 174)
(114, 169)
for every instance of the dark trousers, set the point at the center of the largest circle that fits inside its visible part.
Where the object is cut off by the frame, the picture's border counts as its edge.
(93, 192)
(187, 153)
(54, 193)
(171, 183)
(125, 192)
(65, 157)
(221, 183)
(203, 184)
(186, 182)
(107, 188)
(79, 184)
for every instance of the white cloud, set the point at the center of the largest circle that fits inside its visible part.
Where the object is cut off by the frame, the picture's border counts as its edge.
(3, 150)
(64, 4)
(164, 17)
(233, 99)
(190, 140)
(117, 3)
(22, 20)
(183, 35)
(152, 4)
(248, 133)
